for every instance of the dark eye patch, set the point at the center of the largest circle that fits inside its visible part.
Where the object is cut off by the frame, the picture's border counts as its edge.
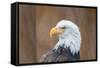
(63, 27)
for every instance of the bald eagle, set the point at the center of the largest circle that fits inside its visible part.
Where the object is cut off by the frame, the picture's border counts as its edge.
(68, 45)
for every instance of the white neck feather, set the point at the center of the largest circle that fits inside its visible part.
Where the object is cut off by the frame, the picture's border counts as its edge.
(71, 39)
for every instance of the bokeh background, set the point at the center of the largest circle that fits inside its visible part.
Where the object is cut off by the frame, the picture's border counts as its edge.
(35, 23)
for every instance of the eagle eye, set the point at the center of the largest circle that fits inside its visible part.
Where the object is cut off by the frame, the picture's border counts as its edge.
(63, 27)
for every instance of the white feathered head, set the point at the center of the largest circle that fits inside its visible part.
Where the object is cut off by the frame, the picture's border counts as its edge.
(68, 34)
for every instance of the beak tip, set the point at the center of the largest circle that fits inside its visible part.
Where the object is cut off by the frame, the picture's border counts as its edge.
(52, 31)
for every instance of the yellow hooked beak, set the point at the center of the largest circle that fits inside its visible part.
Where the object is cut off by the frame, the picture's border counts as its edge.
(55, 31)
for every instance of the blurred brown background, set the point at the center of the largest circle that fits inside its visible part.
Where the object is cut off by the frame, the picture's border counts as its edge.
(35, 23)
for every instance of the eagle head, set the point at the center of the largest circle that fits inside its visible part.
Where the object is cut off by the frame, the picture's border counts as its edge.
(68, 34)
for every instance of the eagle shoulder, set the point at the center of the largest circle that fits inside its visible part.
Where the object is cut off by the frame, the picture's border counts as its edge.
(54, 55)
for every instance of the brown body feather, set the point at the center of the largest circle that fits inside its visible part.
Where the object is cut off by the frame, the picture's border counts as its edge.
(59, 55)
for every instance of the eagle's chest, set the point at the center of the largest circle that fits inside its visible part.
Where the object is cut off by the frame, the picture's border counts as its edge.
(66, 53)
